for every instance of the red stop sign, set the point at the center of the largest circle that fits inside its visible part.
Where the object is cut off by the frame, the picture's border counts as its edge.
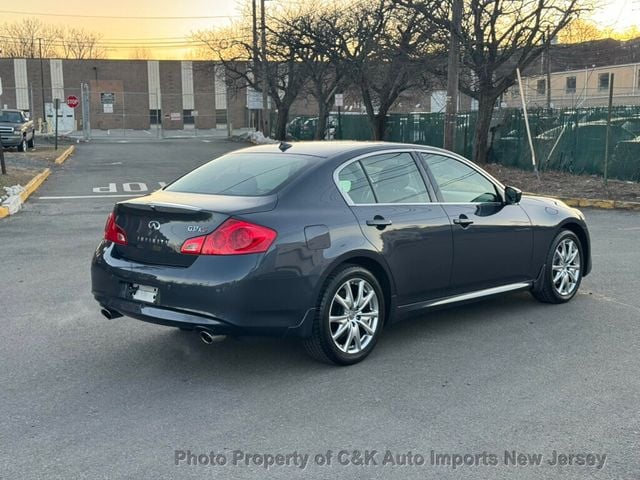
(73, 101)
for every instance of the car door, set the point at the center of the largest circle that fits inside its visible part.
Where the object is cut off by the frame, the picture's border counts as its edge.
(492, 241)
(389, 197)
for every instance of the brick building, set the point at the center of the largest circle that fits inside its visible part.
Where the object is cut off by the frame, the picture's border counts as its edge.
(131, 94)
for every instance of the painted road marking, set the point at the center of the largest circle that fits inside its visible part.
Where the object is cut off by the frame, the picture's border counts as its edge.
(73, 197)
(112, 187)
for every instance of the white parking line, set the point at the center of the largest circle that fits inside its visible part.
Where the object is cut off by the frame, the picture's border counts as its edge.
(73, 197)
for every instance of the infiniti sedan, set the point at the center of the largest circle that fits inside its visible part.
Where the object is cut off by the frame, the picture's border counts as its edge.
(330, 242)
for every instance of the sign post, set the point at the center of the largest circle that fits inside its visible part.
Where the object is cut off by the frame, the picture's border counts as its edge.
(3, 167)
(56, 103)
(339, 101)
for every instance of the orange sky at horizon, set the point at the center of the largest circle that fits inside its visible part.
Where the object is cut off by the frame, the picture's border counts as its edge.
(148, 32)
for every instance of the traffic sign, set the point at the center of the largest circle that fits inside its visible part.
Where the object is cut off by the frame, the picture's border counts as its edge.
(339, 100)
(73, 101)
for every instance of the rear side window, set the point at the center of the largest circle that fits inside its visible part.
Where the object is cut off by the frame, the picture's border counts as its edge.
(242, 174)
(353, 183)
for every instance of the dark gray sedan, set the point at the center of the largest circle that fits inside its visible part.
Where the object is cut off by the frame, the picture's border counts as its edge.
(330, 241)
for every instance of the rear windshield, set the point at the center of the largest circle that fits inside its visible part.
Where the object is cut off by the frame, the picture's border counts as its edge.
(242, 174)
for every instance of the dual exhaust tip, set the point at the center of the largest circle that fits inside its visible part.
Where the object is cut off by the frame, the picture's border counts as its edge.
(110, 314)
(206, 337)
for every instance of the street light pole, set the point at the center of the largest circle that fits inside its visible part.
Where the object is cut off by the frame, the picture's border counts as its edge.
(256, 55)
(265, 100)
(44, 112)
(451, 107)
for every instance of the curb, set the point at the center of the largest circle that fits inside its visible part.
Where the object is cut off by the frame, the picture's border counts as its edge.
(31, 187)
(64, 155)
(604, 204)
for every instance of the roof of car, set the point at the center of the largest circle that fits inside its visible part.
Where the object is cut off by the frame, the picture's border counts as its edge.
(327, 149)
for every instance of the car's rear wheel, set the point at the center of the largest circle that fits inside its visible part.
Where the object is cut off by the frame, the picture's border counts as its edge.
(563, 270)
(349, 319)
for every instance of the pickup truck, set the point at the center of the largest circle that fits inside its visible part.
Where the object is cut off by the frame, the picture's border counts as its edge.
(16, 130)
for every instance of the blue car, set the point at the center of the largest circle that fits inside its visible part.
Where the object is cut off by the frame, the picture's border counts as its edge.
(330, 242)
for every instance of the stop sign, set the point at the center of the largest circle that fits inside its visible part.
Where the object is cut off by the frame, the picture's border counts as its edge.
(73, 101)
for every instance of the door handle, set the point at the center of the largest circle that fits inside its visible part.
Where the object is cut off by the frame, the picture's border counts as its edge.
(463, 221)
(379, 222)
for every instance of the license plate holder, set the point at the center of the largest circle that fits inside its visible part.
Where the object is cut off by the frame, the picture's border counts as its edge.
(144, 293)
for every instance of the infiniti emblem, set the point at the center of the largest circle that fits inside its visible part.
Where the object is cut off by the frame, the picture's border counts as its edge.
(154, 225)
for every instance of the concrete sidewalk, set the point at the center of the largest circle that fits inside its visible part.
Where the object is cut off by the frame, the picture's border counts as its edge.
(155, 132)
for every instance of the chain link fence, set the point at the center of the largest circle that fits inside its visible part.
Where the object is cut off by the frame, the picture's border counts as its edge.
(571, 140)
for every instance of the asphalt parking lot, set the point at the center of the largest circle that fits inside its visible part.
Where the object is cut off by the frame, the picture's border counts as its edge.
(84, 397)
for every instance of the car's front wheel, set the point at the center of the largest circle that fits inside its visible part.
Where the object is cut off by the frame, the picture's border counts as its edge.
(563, 270)
(349, 319)
(22, 146)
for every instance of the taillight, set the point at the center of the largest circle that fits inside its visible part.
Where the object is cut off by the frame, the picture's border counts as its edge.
(233, 237)
(113, 232)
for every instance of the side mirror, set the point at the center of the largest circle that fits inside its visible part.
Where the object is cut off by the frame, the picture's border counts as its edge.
(512, 195)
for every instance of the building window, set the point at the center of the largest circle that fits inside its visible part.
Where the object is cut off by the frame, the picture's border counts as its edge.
(571, 85)
(541, 87)
(603, 81)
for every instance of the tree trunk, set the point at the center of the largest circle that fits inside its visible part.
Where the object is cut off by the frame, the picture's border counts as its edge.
(281, 123)
(481, 136)
(322, 119)
(379, 125)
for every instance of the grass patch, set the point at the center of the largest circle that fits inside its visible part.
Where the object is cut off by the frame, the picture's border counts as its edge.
(17, 176)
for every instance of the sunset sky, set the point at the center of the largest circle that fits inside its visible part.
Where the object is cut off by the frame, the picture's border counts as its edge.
(141, 29)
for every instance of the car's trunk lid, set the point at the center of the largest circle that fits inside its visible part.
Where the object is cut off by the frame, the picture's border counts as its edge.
(157, 225)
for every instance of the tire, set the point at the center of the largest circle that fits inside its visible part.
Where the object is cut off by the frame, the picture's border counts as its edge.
(30, 143)
(559, 266)
(355, 328)
(22, 147)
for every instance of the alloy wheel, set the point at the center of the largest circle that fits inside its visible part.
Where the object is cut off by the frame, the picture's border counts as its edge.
(565, 269)
(353, 315)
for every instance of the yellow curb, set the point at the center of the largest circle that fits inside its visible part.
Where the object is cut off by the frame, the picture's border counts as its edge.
(64, 155)
(34, 184)
(604, 204)
(4, 212)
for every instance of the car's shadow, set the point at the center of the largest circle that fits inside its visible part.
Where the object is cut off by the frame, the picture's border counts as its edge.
(170, 353)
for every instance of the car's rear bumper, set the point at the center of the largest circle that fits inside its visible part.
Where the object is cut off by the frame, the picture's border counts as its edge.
(224, 295)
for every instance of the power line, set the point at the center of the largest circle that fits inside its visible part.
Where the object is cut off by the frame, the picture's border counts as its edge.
(119, 17)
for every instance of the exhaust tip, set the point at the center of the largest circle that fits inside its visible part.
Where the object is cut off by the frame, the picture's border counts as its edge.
(206, 337)
(110, 314)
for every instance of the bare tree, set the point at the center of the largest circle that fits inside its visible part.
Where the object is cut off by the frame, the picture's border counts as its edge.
(141, 53)
(23, 39)
(81, 44)
(381, 47)
(580, 30)
(496, 37)
(324, 77)
(285, 73)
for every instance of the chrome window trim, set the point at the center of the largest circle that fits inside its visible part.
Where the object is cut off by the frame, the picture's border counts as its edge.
(346, 197)
(416, 149)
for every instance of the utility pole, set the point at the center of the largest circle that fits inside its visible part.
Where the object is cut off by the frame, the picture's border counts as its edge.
(265, 99)
(451, 108)
(44, 112)
(608, 134)
(256, 62)
(548, 58)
